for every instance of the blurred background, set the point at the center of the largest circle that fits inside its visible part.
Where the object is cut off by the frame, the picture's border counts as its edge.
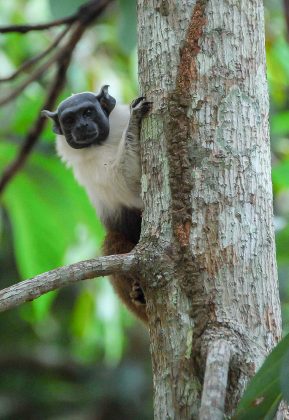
(78, 354)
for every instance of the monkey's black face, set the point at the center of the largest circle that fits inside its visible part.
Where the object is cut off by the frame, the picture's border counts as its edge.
(84, 123)
(83, 118)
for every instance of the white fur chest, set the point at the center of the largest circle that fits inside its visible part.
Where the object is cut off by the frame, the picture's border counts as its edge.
(105, 185)
(97, 172)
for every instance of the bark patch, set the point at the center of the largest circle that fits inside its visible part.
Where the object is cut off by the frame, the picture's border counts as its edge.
(187, 69)
(271, 322)
(215, 256)
(183, 233)
(214, 259)
(177, 134)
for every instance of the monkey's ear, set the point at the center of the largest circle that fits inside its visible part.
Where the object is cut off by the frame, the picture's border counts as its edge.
(54, 116)
(106, 101)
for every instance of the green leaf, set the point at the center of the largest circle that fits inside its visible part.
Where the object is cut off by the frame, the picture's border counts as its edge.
(82, 314)
(284, 377)
(282, 245)
(280, 175)
(280, 123)
(265, 391)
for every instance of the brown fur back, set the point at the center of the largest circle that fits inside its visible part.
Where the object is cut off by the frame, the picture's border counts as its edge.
(116, 243)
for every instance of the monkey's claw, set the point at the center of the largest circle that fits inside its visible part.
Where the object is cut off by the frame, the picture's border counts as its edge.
(140, 106)
(136, 101)
(137, 295)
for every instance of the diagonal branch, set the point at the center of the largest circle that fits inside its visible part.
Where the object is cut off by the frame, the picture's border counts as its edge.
(34, 76)
(33, 288)
(29, 63)
(215, 382)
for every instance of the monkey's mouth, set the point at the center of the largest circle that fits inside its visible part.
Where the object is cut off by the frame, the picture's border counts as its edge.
(83, 141)
(88, 138)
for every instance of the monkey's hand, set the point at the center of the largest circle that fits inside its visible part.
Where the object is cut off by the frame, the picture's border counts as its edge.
(140, 107)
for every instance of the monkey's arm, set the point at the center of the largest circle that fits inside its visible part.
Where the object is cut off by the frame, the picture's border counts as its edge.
(128, 165)
(128, 155)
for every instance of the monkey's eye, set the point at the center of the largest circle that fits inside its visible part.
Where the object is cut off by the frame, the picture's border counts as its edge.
(68, 120)
(87, 112)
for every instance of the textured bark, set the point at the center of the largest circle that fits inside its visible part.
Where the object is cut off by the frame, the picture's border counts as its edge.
(208, 243)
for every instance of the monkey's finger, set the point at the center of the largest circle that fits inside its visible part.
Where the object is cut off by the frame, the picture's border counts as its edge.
(136, 101)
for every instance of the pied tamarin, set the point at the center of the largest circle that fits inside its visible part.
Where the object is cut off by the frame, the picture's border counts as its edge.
(100, 142)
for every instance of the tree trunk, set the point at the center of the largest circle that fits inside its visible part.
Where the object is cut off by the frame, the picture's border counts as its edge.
(207, 247)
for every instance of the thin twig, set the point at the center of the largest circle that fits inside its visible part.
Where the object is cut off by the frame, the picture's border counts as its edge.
(34, 76)
(31, 289)
(82, 14)
(215, 381)
(38, 27)
(29, 63)
(93, 11)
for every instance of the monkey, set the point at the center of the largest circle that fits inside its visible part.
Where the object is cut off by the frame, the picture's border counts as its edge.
(99, 140)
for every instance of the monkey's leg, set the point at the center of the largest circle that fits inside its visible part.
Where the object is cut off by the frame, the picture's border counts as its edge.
(132, 296)
(127, 287)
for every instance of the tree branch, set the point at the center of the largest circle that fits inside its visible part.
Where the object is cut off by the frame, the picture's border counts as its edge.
(23, 29)
(81, 13)
(33, 288)
(29, 63)
(215, 382)
(84, 13)
(34, 76)
(89, 13)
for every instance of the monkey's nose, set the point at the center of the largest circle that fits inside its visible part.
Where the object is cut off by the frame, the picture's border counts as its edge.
(84, 135)
(81, 126)
(81, 131)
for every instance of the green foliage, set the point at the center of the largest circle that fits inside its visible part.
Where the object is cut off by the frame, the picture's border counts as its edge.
(127, 24)
(280, 175)
(268, 387)
(45, 207)
(64, 8)
(277, 49)
(280, 123)
(284, 376)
